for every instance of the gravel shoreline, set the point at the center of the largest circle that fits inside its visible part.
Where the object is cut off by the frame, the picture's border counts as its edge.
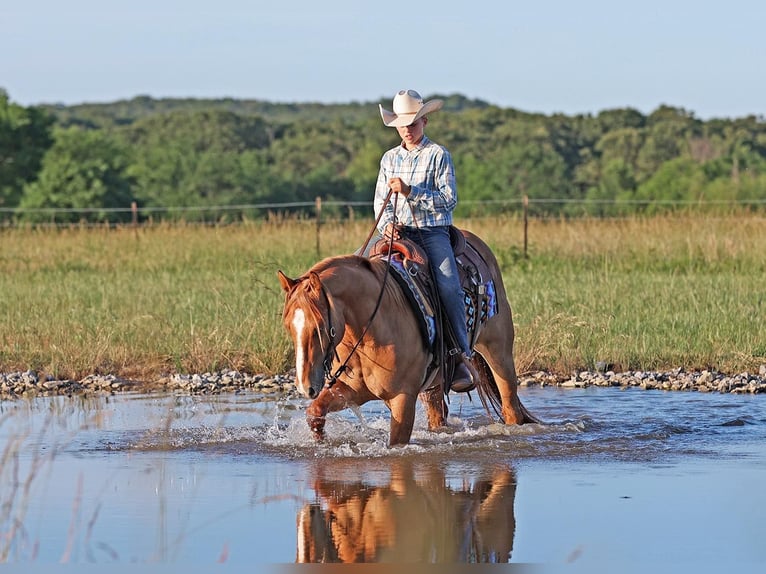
(29, 384)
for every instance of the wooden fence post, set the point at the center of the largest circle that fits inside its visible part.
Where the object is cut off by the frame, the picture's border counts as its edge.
(134, 217)
(318, 202)
(525, 203)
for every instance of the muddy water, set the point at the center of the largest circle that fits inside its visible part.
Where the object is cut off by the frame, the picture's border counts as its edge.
(613, 476)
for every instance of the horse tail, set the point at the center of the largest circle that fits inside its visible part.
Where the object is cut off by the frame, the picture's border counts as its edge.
(489, 394)
(529, 417)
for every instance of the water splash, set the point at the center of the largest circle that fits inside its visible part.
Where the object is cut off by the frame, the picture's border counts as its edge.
(633, 426)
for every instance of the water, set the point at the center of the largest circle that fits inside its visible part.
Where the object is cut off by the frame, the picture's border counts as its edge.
(612, 476)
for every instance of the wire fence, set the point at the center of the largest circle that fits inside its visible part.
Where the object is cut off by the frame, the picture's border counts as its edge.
(135, 215)
(321, 212)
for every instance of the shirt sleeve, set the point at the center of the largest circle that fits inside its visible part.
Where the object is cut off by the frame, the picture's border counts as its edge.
(381, 191)
(438, 195)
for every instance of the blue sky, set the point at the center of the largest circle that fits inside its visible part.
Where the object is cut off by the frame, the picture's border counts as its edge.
(544, 56)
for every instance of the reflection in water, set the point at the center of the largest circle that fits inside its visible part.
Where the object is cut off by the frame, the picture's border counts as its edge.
(414, 515)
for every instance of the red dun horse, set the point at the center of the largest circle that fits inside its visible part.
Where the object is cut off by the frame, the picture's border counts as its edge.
(357, 339)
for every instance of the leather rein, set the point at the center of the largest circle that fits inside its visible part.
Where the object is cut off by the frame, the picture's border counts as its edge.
(332, 353)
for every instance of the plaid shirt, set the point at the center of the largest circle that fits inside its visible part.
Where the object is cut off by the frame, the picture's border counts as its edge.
(429, 172)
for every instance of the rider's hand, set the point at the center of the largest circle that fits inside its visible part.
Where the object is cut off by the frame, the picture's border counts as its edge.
(391, 231)
(398, 186)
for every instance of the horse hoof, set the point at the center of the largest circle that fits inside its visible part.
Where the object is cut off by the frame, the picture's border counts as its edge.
(316, 424)
(318, 436)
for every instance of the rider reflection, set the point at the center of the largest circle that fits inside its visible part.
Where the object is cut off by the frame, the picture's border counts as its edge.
(415, 515)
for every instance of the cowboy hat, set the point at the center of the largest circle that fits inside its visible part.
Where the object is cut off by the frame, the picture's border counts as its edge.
(408, 108)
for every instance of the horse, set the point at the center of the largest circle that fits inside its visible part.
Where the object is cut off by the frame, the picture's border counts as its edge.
(357, 338)
(352, 519)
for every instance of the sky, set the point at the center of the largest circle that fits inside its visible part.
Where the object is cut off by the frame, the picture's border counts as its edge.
(562, 56)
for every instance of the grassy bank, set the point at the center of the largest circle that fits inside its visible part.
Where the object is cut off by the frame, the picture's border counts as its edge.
(638, 294)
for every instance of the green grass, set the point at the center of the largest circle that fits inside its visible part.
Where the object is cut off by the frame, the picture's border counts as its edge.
(644, 293)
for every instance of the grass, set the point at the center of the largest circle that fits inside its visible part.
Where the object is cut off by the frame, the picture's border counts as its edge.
(641, 293)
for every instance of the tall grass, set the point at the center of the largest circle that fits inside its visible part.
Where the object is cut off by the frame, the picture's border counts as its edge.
(639, 293)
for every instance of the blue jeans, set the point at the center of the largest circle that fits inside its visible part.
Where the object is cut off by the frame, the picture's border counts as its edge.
(435, 242)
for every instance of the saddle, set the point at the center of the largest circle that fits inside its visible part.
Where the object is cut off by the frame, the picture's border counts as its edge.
(410, 265)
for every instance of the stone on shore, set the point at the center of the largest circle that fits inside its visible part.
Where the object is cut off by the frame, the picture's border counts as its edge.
(29, 383)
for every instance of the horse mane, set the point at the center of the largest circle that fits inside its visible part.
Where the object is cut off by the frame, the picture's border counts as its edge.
(300, 298)
(377, 267)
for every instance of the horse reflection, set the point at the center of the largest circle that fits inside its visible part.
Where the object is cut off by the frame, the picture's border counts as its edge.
(416, 515)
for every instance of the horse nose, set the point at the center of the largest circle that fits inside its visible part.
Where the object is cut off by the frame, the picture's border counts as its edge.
(312, 393)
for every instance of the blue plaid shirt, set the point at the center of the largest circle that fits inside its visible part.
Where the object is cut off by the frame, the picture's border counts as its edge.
(429, 172)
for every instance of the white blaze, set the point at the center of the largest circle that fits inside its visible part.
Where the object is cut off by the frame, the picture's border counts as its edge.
(299, 327)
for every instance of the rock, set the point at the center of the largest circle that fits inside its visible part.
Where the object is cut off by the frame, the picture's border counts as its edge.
(29, 383)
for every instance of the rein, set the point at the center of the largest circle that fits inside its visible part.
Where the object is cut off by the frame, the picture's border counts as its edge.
(332, 378)
(377, 220)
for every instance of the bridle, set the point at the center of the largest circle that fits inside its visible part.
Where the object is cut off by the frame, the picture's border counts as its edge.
(332, 377)
(332, 352)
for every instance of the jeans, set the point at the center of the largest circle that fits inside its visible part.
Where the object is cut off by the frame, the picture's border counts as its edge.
(436, 243)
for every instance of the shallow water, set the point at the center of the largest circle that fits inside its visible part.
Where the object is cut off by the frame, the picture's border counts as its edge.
(612, 476)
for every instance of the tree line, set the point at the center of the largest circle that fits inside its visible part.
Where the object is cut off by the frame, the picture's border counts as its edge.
(202, 153)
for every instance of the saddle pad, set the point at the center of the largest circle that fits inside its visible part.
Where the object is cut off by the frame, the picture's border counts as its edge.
(479, 294)
(427, 320)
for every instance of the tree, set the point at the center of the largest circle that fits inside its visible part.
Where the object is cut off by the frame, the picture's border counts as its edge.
(199, 131)
(678, 180)
(617, 183)
(192, 158)
(622, 145)
(181, 153)
(25, 135)
(84, 169)
(621, 118)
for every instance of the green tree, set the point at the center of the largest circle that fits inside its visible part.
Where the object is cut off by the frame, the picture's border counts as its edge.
(667, 137)
(677, 182)
(195, 158)
(205, 153)
(83, 170)
(616, 184)
(620, 118)
(25, 135)
(623, 144)
(362, 170)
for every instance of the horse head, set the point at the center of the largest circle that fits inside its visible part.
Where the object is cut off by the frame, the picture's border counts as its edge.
(309, 318)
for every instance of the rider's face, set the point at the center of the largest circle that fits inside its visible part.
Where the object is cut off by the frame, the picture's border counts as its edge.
(413, 133)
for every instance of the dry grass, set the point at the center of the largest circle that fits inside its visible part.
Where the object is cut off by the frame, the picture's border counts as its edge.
(636, 293)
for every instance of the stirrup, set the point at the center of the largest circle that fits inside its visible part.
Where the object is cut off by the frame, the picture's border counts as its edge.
(465, 377)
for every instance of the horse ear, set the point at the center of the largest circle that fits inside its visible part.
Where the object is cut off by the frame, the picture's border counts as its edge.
(285, 281)
(315, 281)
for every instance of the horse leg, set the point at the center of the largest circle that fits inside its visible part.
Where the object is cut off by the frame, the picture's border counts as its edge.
(316, 413)
(330, 399)
(436, 409)
(402, 409)
(499, 357)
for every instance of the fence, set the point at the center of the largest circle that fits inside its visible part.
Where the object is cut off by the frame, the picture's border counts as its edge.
(319, 211)
(213, 214)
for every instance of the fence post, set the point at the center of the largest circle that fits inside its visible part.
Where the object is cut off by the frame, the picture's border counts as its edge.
(525, 203)
(134, 217)
(318, 203)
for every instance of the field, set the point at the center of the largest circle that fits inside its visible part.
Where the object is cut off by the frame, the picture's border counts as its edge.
(637, 293)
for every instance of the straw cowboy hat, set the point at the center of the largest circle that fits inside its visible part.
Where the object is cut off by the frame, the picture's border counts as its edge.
(408, 108)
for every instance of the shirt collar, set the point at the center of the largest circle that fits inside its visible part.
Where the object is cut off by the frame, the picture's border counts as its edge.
(423, 142)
